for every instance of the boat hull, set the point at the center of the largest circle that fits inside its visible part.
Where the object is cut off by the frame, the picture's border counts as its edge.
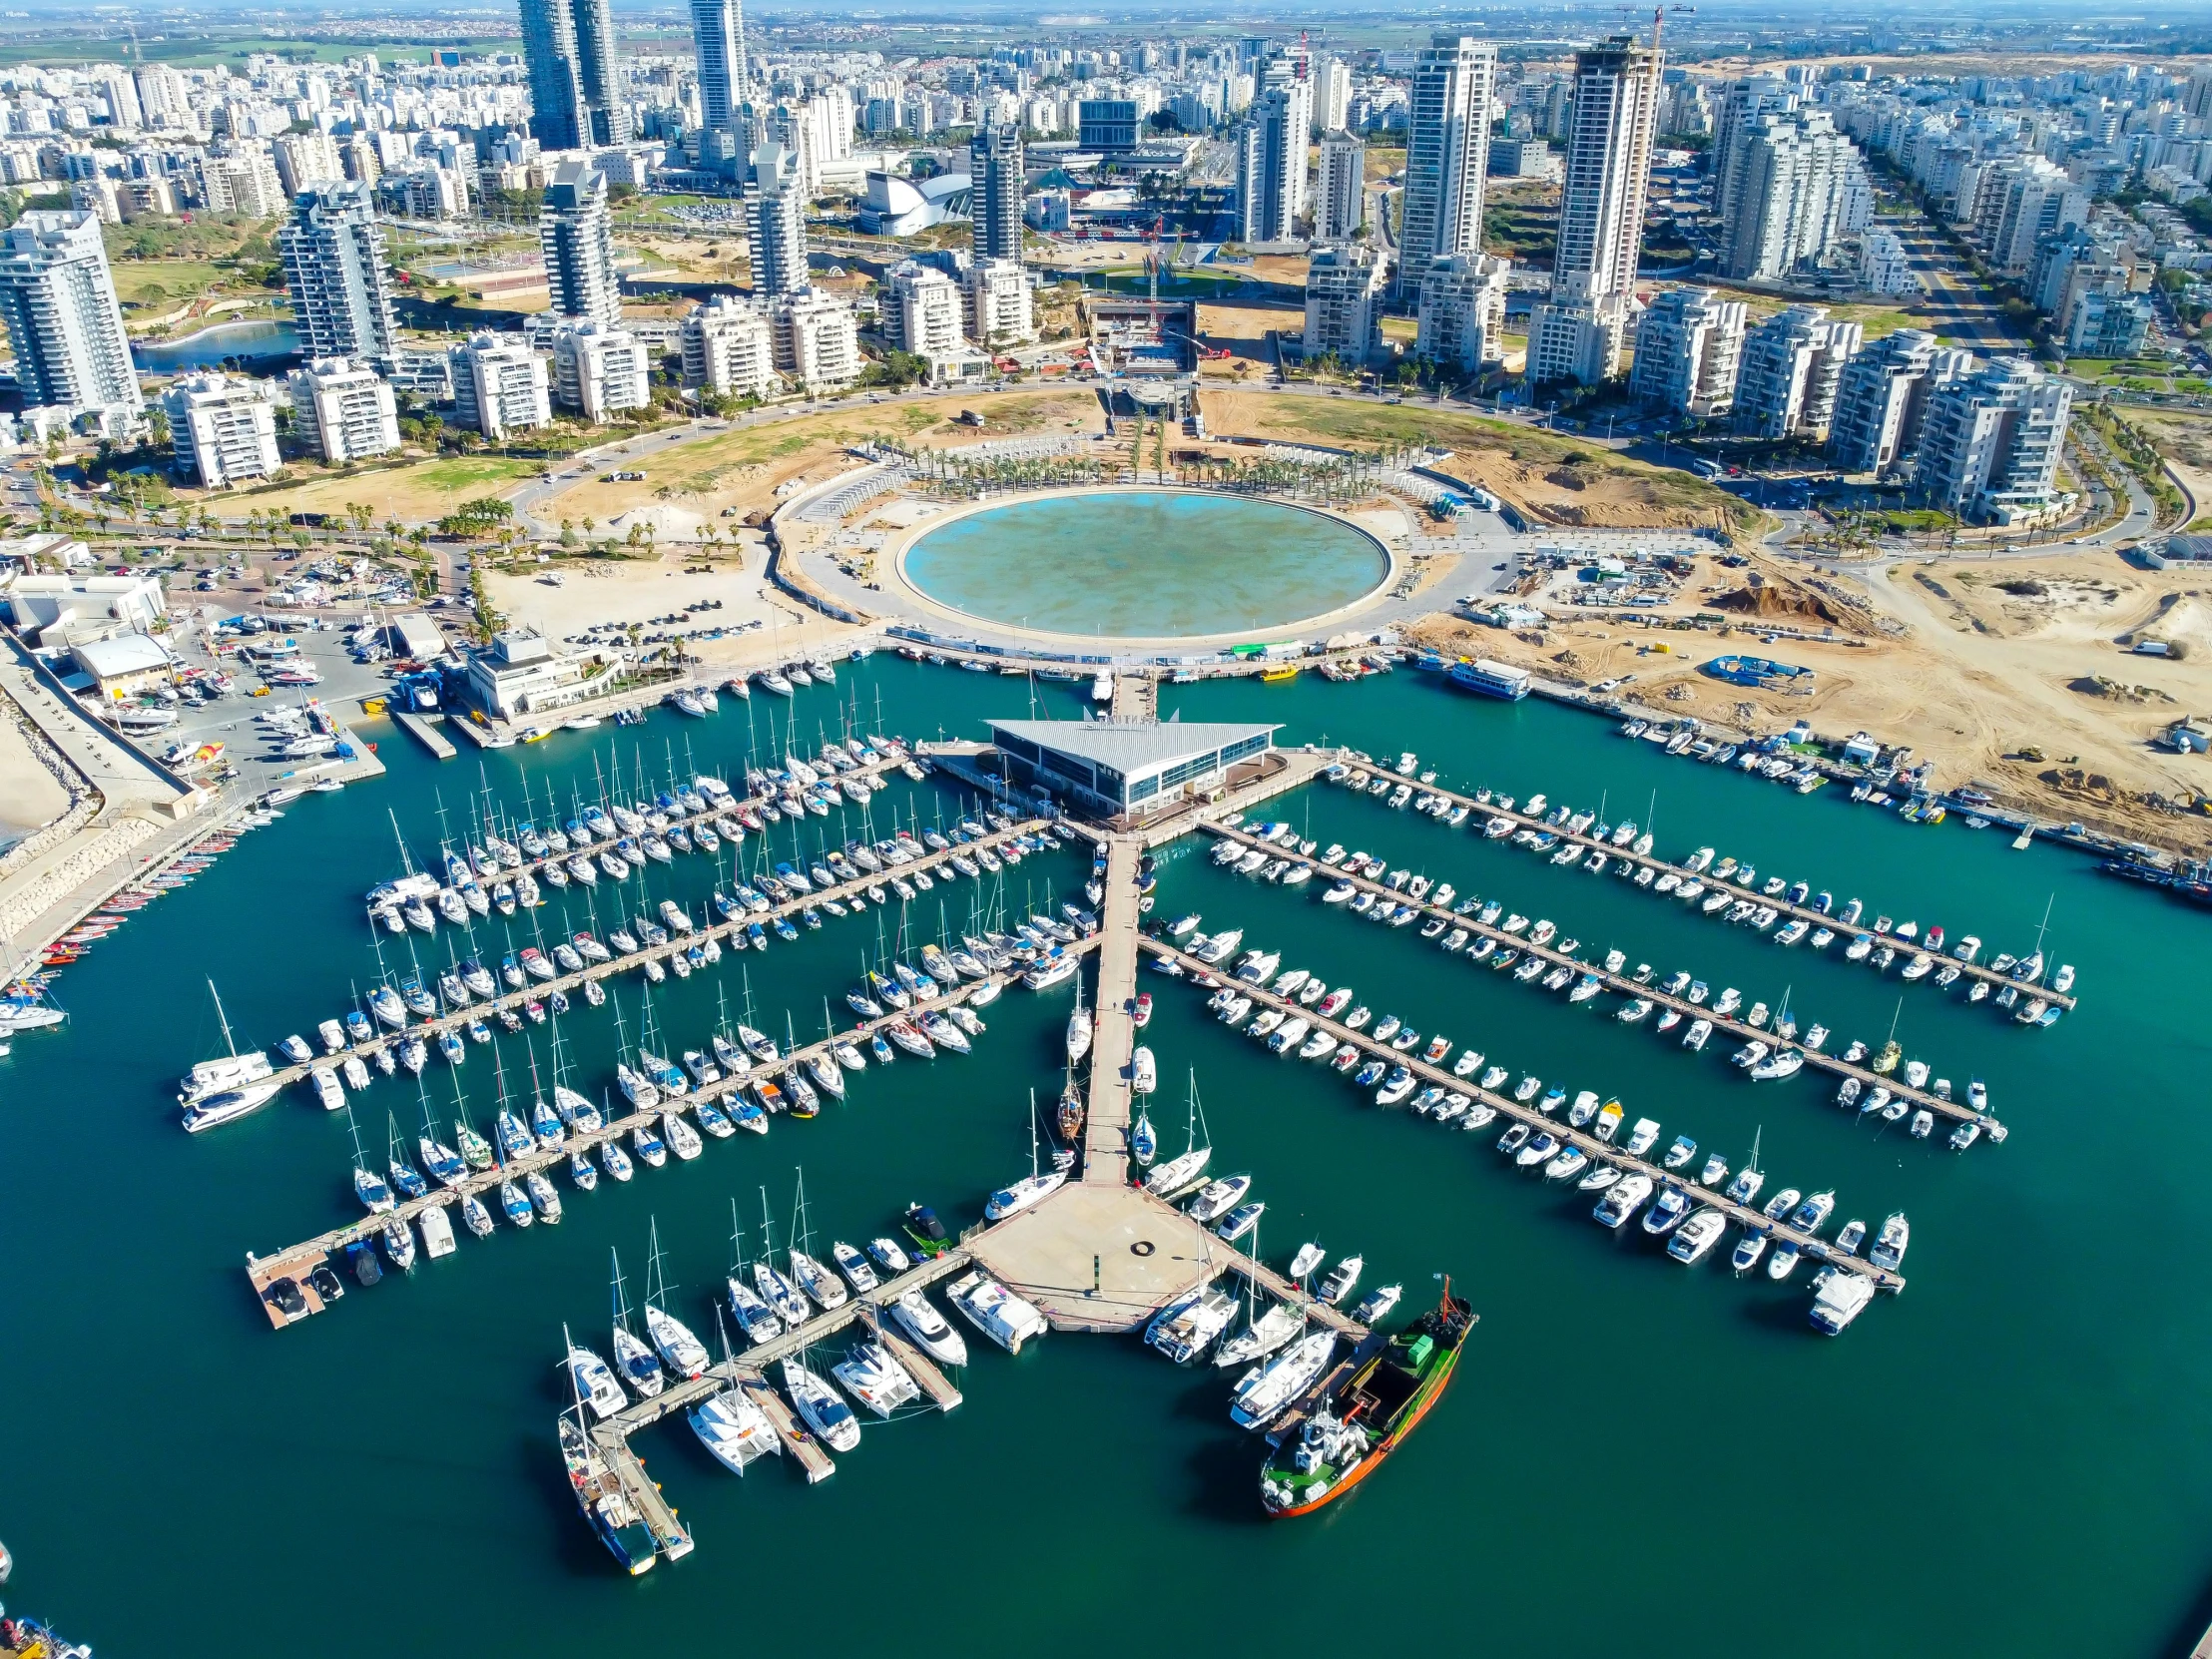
(1431, 1390)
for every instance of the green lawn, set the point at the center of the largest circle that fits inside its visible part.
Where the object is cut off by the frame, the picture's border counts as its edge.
(163, 284)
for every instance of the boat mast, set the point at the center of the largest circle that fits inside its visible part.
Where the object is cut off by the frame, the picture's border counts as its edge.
(224, 1021)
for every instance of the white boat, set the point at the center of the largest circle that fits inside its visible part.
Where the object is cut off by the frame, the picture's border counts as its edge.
(1190, 1325)
(673, 1337)
(1890, 1243)
(594, 1383)
(995, 1311)
(1219, 1198)
(1695, 1237)
(1178, 1174)
(931, 1332)
(1337, 1285)
(1269, 1332)
(827, 1415)
(1264, 1391)
(1838, 1297)
(873, 1376)
(734, 1429)
(1309, 1258)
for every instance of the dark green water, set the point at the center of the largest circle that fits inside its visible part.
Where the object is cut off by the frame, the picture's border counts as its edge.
(2010, 1458)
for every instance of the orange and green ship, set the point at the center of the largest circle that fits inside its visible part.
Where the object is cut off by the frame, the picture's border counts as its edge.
(1364, 1417)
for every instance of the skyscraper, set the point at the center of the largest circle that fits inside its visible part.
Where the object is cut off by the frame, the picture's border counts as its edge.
(1792, 172)
(1448, 150)
(718, 31)
(576, 100)
(1271, 167)
(332, 252)
(1792, 368)
(579, 247)
(1882, 397)
(57, 298)
(1340, 188)
(776, 222)
(996, 190)
(1578, 335)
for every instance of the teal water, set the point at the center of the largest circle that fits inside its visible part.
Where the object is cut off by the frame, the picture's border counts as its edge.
(1142, 564)
(253, 340)
(2008, 1458)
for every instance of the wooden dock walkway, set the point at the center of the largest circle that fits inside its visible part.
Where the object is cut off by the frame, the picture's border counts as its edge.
(934, 863)
(1599, 1151)
(1723, 1025)
(810, 1454)
(1113, 1025)
(669, 1535)
(419, 728)
(1285, 1290)
(1479, 812)
(942, 1395)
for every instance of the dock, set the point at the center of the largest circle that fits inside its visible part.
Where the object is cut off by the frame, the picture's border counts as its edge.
(942, 1395)
(1479, 812)
(805, 1450)
(538, 990)
(1723, 1025)
(1752, 1219)
(1113, 1025)
(419, 728)
(669, 1536)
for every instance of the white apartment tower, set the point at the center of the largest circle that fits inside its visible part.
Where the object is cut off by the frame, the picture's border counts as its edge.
(599, 371)
(579, 245)
(58, 296)
(1883, 399)
(345, 409)
(1791, 369)
(1271, 167)
(1001, 311)
(1794, 175)
(1332, 95)
(1689, 347)
(1447, 151)
(995, 187)
(221, 429)
(1990, 445)
(1462, 313)
(1344, 303)
(776, 222)
(1578, 335)
(818, 344)
(923, 312)
(730, 349)
(500, 386)
(332, 251)
(718, 36)
(1340, 188)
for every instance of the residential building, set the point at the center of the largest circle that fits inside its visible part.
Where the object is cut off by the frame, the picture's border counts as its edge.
(1000, 309)
(221, 429)
(776, 222)
(305, 159)
(1883, 266)
(1344, 303)
(578, 245)
(995, 185)
(1271, 167)
(332, 252)
(344, 409)
(730, 349)
(2106, 322)
(1529, 158)
(1340, 188)
(568, 49)
(243, 183)
(923, 310)
(817, 342)
(1793, 363)
(1991, 446)
(1883, 395)
(718, 37)
(1741, 105)
(1579, 334)
(599, 371)
(1793, 173)
(57, 298)
(1332, 95)
(2029, 200)
(1462, 313)
(1110, 124)
(1689, 347)
(500, 386)
(1447, 138)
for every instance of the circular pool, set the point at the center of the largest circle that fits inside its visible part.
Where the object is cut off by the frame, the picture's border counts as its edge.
(1145, 564)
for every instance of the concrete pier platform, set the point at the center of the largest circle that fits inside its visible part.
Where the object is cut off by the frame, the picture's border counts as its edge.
(1100, 1258)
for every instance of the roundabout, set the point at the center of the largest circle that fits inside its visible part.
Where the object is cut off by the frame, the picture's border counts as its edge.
(1140, 563)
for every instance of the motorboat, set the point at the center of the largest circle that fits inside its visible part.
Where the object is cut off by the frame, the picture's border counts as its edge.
(871, 1374)
(824, 1413)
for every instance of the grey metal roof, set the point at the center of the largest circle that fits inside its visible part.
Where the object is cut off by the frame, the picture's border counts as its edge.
(1130, 746)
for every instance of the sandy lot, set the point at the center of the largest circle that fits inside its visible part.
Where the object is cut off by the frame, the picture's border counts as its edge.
(413, 492)
(641, 590)
(1977, 663)
(29, 796)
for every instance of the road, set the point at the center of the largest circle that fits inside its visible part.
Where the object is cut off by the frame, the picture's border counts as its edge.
(1960, 306)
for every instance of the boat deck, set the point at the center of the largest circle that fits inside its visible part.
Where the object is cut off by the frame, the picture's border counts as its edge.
(1723, 1025)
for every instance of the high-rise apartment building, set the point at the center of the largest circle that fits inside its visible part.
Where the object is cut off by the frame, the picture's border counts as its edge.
(57, 298)
(1344, 303)
(568, 48)
(578, 245)
(1741, 105)
(1270, 167)
(776, 222)
(344, 409)
(1447, 151)
(304, 159)
(500, 386)
(1462, 313)
(729, 349)
(1794, 175)
(1793, 366)
(718, 37)
(1990, 445)
(923, 312)
(332, 252)
(1689, 347)
(1340, 188)
(995, 188)
(1000, 308)
(243, 182)
(817, 342)
(1332, 95)
(1578, 335)
(1883, 399)
(598, 370)
(221, 429)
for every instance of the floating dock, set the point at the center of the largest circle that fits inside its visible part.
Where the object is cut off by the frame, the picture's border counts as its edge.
(1752, 1220)
(421, 730)
(1114, 1029)
(1482, 811)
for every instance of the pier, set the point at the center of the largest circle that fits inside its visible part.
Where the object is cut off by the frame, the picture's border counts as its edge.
(1724, 1026)
(425, 734)
(1113, 1022)
(1479, 810)
(1752, 1219)
(513, 998)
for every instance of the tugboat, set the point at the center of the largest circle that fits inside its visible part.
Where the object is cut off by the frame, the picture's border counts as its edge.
(1365, 1417)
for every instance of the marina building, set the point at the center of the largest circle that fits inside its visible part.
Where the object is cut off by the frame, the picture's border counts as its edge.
(344, 409)
(1129, 769)
(49, 611)
(519, 674)
(120, 667)
(223, 429)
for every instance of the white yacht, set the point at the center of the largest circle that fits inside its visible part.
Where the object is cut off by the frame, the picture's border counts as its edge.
(1190, 1325)
(677, 1345)
(874, 1377)
(995, 1311)
(826, 1414)
(1838, 1297)
(1278, 1325)
(1265, 1390)
(1890, 1243)
(1023, 1194)
(595, 1382)
(735, 1430)
(931, 1332)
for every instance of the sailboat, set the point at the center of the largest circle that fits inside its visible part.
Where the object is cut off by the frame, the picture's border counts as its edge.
(1263, 1332)
(775, 1289)
(732, 1429)
(1023, 1194)
(1144, 1144)
(1179, 1174)
(758, 1320)
(670, 1335)
(370, 1186)
(634, 1358)
(1079, 1026)
(217, 1091)
(1744, 1189)
(813, 1278)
